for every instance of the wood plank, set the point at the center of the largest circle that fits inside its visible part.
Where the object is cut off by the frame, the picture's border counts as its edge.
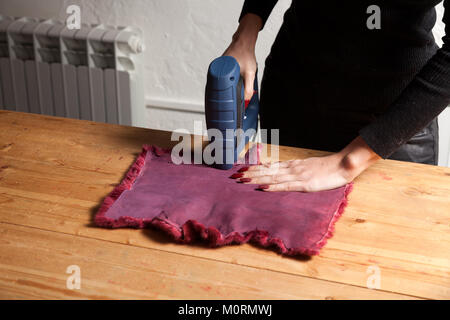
(34, 263)
(397, 218)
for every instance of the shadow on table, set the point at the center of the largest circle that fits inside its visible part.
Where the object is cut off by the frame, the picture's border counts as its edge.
(162, 238)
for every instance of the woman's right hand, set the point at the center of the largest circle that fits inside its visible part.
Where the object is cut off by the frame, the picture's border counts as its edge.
(242, 48)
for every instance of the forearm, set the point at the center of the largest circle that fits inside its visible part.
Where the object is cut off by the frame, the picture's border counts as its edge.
(248, 30)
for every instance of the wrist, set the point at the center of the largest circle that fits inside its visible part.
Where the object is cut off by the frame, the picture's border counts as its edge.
(248, 29)
(357, 157)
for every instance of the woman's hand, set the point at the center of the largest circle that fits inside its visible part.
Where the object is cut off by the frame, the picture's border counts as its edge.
(242, 48)
(311, 174)
(308, 175)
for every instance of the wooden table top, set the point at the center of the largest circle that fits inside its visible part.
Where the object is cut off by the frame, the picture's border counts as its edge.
(54, 172)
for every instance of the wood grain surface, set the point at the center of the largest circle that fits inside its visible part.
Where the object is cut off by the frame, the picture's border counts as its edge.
(54, 173)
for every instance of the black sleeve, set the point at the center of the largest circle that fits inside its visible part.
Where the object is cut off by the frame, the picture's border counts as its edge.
(422, 100)
(262, 8)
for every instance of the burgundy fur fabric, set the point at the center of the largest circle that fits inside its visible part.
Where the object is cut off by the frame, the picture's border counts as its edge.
(192, 202)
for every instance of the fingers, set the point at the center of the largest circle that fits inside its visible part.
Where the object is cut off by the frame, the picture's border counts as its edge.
(271, 171)
(277, 176)
(249, 78)
(267, 172)
(271, 165)
(300, 186)
(245, 56)
(273, 179)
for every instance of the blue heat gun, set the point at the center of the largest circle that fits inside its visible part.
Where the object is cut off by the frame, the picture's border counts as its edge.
(225, 109)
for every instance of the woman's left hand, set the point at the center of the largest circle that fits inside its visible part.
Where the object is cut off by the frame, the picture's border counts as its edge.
(311, 174)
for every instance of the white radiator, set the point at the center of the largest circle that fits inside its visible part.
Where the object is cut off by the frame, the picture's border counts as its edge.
(92, 73)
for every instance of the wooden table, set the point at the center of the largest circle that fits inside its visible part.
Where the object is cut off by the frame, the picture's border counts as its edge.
(54, 172)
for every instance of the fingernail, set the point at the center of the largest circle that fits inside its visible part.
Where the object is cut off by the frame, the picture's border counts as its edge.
(236, 175)
(243, 180)
(263, 187)
(243, 169)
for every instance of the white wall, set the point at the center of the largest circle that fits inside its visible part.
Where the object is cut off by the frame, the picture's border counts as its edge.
(182, 37)
(444, 118)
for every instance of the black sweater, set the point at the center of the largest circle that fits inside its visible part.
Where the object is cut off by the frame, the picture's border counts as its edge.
(404, 48)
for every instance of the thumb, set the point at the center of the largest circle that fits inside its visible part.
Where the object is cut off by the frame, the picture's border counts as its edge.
(249, 78)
